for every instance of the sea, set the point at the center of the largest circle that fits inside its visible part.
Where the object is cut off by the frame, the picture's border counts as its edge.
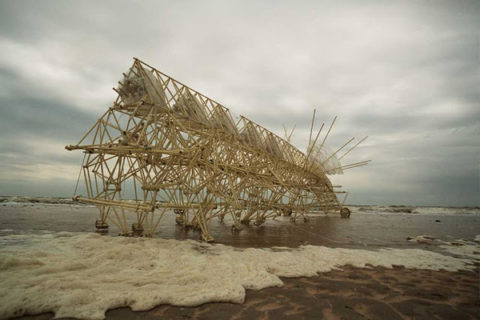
(51, 260)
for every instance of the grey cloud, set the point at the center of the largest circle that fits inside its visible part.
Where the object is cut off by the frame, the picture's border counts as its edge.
(50, 119)
(33, 116)
(28, 121)
(27, 187)
(405, 73)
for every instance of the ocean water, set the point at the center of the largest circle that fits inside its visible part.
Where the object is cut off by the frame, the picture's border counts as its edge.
(369, 226)
(51, 261)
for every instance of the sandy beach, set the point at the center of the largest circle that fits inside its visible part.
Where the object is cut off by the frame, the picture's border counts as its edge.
(351, 293)
(344, 292)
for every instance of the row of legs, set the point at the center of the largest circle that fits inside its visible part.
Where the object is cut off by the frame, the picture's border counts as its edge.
(192, 222)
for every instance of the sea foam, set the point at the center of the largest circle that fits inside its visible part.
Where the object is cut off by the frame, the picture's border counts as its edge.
(83, 275)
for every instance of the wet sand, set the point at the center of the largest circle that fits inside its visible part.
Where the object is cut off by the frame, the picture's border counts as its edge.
(350, 293)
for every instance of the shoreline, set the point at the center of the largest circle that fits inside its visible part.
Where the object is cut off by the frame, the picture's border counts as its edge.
(349, 293)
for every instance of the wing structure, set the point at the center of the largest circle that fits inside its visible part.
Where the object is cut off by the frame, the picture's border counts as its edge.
(163, 146)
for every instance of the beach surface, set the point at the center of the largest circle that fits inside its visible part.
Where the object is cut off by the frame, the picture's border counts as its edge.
(384, 262)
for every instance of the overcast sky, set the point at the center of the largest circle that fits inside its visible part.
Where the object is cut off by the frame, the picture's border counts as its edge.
(405, 73)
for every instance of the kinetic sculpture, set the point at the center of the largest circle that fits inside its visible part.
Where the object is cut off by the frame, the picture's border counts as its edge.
(163, 145)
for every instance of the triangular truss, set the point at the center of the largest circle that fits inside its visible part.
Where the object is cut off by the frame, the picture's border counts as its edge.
(163, 145)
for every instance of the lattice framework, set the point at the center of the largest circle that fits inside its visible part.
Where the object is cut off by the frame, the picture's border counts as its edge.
(163, 145)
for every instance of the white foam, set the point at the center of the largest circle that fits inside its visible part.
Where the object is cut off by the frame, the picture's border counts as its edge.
(83, 275)
(463, 248)
(470, 250)
(423, 239)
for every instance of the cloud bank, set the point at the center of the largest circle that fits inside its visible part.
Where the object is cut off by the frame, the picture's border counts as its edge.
(404, 73)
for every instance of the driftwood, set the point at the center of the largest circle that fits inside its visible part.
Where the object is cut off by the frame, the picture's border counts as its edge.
(163, 145)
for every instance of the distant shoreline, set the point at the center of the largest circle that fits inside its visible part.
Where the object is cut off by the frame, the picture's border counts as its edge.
(69, 200)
